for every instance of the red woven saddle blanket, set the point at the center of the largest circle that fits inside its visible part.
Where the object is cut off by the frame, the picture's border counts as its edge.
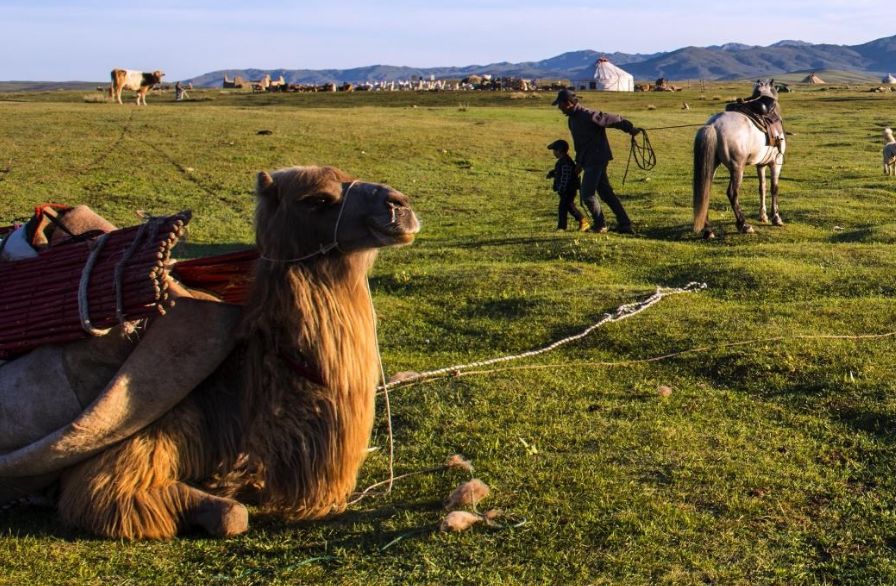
(80, 286)
(228, 276)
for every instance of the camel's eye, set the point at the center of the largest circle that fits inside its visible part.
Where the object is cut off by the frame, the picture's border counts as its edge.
(318, 201)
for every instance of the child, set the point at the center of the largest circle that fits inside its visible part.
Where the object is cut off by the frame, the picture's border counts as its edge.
(566, 184)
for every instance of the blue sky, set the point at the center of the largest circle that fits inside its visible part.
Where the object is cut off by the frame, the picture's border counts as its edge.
(59, 40)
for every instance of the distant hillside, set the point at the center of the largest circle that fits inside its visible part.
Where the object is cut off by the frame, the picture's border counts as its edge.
(723, 64)
(719, 62)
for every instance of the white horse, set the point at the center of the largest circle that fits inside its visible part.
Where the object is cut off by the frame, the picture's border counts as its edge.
(730, 138)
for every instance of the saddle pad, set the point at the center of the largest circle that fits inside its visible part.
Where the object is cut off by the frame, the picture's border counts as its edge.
(228, 276)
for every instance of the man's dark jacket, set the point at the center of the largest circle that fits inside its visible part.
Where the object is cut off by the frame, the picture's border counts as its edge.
(589, 134)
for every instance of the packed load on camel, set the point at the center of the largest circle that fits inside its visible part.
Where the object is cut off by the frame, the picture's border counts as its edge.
(158, 425)
(63, 287)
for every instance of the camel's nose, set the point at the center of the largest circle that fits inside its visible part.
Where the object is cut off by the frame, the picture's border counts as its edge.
(396, 199)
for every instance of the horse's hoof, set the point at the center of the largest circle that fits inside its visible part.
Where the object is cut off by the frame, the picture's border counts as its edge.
(763, 219)
(747, 229)
(777, 221)
(709, 235)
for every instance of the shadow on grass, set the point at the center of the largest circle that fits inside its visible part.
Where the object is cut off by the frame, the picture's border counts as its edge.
(877, 423)
(485, 242)
(860, 234)
(38, 522)
(373, 538)
(854, 411)
(41, 522)
(680, 232)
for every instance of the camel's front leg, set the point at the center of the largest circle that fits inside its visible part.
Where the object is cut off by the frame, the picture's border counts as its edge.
(133, 490)
(220, 517)
(126, 508)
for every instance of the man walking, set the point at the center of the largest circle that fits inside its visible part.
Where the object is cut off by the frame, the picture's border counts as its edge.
(593, 155)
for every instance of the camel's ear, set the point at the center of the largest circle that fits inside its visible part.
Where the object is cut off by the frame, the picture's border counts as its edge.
(265, 185)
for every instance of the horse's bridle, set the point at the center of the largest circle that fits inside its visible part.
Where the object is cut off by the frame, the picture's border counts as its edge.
(323, 248)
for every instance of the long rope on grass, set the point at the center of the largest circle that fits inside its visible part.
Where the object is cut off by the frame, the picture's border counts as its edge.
(622, 312)
(390, 439)
(695, 350)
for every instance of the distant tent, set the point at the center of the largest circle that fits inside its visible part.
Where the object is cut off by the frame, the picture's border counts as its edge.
(889, 79)
(609, 78)
(812, 78)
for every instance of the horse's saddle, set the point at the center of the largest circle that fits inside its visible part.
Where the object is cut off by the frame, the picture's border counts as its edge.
(762, 112)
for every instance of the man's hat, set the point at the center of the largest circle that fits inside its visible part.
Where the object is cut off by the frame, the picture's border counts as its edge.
(565, 96)
(559, 144)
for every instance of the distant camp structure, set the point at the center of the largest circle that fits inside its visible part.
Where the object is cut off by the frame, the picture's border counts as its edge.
(259, 85)
(812, 78)
(609, 78)
(888, 78)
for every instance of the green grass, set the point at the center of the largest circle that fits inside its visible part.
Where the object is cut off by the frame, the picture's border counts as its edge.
(770, 463)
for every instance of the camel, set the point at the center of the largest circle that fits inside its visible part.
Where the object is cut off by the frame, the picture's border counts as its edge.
(214, 406)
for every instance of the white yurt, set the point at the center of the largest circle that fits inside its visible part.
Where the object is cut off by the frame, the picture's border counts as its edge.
(889, 79)
(609, 78)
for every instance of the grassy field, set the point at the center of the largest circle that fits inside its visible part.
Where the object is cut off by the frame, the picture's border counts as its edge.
(770, 462)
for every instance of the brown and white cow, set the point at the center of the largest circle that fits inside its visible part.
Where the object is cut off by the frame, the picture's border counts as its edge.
(137, 81)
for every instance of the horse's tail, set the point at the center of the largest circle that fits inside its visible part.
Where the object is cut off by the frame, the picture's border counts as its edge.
(704, 167)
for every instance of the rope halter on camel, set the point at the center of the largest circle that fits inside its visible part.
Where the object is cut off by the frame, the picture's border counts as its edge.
(323, 248)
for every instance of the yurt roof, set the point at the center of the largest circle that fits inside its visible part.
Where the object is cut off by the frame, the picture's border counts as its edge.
(610, 77)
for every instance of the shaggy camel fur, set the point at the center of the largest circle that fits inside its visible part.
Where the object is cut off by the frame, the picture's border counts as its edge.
(284, 415)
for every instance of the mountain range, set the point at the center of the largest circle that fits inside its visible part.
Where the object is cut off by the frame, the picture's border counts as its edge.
(717, 62)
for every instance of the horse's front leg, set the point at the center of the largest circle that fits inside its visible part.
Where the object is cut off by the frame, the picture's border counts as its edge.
(737, 177)
(776, 175)
(763, 216)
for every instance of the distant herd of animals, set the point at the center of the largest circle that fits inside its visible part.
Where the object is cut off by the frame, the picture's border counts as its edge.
(142, 82)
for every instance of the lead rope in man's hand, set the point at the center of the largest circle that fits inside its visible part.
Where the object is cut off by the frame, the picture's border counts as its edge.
(643, 154)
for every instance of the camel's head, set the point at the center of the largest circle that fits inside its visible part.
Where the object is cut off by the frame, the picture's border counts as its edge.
(306, 211)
